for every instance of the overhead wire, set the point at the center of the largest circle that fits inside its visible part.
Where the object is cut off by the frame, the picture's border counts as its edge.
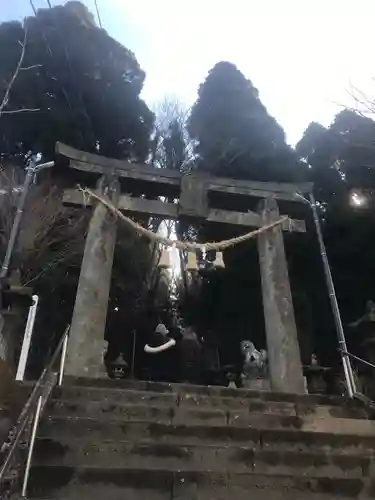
(97, 13)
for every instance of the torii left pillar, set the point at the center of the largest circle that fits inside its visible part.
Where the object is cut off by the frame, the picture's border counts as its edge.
(86, 339)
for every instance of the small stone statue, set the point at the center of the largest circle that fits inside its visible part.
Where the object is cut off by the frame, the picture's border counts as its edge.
(314, 360)
(119, 367)
(314, 375)
(255, 362)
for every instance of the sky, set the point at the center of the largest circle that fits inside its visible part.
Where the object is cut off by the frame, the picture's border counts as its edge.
(306, 57)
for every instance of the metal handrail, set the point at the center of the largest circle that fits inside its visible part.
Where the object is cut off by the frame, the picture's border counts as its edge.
(31, 445)
(27, 338)
(359, 395)
(36, 401)
(346, 353)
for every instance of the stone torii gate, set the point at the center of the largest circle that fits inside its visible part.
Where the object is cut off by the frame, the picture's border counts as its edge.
(113, 178)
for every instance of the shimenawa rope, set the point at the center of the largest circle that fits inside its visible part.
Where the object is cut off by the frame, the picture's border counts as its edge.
(183, 245)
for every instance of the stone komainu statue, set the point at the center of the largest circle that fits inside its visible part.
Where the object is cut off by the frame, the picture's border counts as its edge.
(255, 362)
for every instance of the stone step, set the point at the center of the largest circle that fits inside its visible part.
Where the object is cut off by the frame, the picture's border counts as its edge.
(83, 483)
(176, 456)
(115, 395)
(256, 402)
(318, 421)
(288, 439)
(211, 391)
(188, 415)
(176, 414)
(173, 399)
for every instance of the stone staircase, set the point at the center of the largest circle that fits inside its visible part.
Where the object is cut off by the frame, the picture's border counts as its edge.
(129, 440)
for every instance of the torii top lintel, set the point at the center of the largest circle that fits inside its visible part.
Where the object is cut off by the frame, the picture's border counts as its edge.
(192, 188)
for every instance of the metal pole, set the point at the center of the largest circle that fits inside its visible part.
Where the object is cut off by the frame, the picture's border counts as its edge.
(334, 304)
(133, 353)
(30, 173)
(27, 339)
(31, 447)
(16, 223)
(62, 360)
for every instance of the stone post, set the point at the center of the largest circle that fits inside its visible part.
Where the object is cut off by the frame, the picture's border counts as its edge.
(282, 341)
(86, 340)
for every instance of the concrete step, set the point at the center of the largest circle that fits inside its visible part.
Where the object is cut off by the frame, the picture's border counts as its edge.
(211, 391)
(107, 410)
(175, 414)
(239, 400)
(182, 456)
(117, 396)
(59, 482)
(319, 420)
(268, 438)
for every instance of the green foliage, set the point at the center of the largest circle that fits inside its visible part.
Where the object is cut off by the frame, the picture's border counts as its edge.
(86, 88)
(342, 159)
(85, 85)
(234, 134)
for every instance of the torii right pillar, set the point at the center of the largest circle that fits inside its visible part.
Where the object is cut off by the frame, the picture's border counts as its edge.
(283, 349)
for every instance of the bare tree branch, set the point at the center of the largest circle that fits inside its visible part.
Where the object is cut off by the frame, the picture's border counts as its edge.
(364, 104)
(168, 111)
(14, 111)
(31, 67)
(13, 79)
